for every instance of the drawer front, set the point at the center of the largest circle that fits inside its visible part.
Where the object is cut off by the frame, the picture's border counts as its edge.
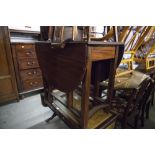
(32, 84)
(28, 63)
(30, 74)
(25, 46)
(25, 51)
(26, 54)
(102, 53)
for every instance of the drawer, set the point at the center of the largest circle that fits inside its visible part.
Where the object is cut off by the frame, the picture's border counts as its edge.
(26, 54)
(30, 74)
(25, 47)
(25, 51)
(32, 84)
(102, 53)
(28, 63)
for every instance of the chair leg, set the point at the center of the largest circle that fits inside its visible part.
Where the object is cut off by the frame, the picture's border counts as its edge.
(147, 110)
(124, 123)
(136, 122)
(49, 119)
(142, 120)
(152, 100)
(142, 116)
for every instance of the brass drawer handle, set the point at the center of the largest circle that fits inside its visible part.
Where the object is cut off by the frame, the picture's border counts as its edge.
(23, 46)
(28, 53)
(31, 83)
(29, 73)
(34, 72)
(31, 63)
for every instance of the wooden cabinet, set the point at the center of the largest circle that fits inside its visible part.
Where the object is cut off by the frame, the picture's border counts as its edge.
(8, 88)
(28, 73)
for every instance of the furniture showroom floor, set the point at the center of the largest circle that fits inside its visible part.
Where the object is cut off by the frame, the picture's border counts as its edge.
(29, 113)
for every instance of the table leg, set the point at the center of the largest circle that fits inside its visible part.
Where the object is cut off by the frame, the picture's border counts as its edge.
(85, 95)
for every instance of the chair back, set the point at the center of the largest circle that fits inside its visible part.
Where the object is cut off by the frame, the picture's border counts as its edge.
(142, 93)
(137, 96)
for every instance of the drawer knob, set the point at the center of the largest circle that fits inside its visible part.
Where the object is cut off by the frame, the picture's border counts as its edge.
(29, 73)
(34, 72)
(29, 63)
(36, 82)
(22, 46)
(31, 83)
(28, 53)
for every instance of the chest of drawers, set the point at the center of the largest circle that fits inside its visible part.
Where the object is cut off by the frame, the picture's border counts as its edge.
(28, 73)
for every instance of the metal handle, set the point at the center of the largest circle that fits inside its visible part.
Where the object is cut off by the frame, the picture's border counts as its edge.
(31, 63)
(29, 73)
(34, 72)
(28, 53)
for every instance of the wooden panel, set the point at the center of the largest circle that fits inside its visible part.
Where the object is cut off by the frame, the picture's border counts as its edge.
(32, 84)
(30, 73)
(4, 68)
(8, 89)
(63, 68)
(102, 53)
(28, 63)
(6, 86)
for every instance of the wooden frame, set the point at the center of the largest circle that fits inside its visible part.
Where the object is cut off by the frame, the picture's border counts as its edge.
(8, 84)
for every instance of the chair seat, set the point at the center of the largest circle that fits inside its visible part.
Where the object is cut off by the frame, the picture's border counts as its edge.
(119, 105)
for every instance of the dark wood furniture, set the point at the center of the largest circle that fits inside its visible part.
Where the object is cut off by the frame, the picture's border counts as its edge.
(28, 73)
(70, 64)
(129, 81)
(133, 95)
(8, 88)
(149, 98)
(133, 105)
(151, 73)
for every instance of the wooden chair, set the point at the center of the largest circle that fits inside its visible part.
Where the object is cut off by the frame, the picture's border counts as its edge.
(142, 103)
(149, 98)
(152, 101)
(133, 106)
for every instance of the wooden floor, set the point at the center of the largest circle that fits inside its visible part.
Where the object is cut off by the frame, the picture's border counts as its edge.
(29, 113)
